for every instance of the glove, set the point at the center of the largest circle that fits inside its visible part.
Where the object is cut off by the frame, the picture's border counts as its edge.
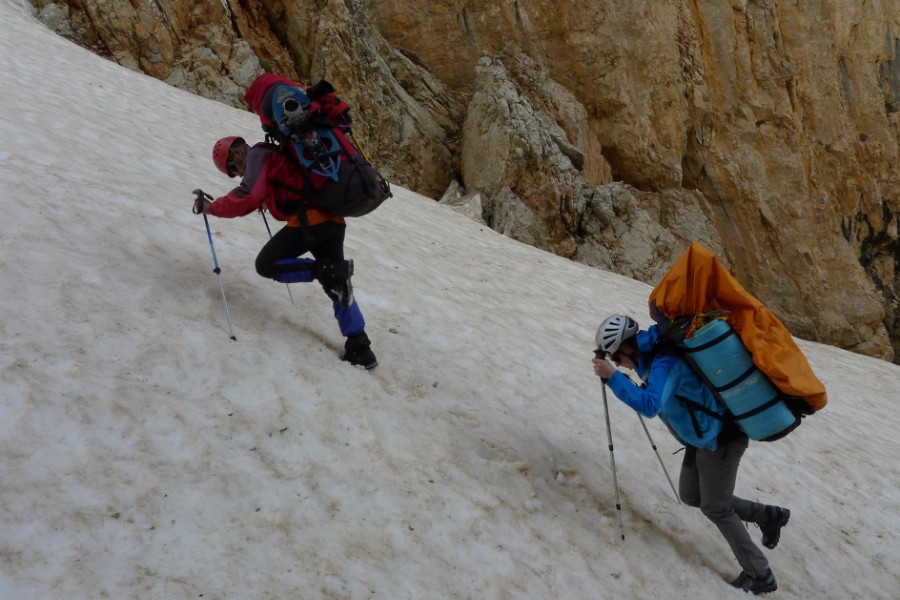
(201, 202)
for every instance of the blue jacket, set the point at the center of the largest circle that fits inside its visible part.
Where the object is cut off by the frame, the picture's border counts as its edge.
(672, 391)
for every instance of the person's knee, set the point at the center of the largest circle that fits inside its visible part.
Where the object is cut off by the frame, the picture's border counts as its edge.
(331, 272)
(264, 267)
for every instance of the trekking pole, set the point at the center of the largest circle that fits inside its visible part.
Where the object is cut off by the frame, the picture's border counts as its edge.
(270, 237)
(612, 458)
(198, 209)
(661, 463)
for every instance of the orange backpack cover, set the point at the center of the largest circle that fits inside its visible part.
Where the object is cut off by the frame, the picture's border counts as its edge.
(698, 283)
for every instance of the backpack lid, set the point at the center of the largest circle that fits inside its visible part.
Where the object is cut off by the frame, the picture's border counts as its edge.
(255, 94)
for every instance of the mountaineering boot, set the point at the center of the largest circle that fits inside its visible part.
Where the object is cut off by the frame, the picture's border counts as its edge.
(758, 585)
(776, 518)
(335, 278)
(358, 351)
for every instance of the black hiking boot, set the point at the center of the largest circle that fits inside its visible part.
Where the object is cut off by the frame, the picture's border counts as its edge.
(756, 585)
(358, 351)
(776, 518)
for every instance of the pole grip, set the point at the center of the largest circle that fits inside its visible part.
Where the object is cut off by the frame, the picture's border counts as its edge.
(201, 196)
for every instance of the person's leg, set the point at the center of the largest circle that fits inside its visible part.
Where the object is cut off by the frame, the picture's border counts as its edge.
(334, 274)
(349, 318)
(689, 479)
(770, 519)
(717, 476)
(747, 510)
(278, 259)
(328, 241)
(332, 271)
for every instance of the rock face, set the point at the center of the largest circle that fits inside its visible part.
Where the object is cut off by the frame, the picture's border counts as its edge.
(609, 131)
(529, 149)
(191, 45)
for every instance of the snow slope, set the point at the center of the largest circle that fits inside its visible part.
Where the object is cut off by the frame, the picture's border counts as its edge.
(146, 455)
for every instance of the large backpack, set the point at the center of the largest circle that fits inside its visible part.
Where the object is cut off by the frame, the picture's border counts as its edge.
(738, 348)
(316, 134)
(711, 347)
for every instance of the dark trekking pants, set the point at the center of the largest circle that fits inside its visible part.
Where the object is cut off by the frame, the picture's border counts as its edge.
(279, 259)
(327, 244)
(707, 481)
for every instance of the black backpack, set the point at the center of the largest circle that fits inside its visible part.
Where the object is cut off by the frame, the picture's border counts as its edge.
(316, 135)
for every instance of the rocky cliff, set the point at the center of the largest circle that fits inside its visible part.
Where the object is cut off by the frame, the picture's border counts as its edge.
(609, 131)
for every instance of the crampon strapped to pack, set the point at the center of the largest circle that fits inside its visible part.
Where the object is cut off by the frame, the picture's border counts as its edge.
(312, 126)
(736, 346)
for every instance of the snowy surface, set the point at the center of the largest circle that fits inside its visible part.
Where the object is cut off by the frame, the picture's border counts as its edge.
(146, 455)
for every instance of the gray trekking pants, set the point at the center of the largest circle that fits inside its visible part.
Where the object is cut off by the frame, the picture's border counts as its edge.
(707, 481)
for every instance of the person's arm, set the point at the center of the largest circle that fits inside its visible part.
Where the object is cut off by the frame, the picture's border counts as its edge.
(249, 195)
(645, 400)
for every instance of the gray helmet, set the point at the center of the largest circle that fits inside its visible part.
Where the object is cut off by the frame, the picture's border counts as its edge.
(613, 331)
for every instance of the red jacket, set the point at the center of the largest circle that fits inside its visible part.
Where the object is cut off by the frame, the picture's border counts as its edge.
(273, 182)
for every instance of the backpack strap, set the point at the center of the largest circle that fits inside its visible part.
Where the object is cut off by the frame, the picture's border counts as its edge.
(697, 406)
(692, 408)
(662, 347)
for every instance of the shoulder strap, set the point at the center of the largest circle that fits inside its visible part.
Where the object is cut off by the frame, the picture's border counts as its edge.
(662, 347)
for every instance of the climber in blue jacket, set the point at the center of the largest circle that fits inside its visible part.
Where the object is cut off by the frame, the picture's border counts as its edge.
(713, 443)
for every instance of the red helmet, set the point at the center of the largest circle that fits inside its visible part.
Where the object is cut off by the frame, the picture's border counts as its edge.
(221, 150)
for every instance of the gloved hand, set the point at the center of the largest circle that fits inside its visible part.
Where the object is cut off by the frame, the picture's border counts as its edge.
(201, 202)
